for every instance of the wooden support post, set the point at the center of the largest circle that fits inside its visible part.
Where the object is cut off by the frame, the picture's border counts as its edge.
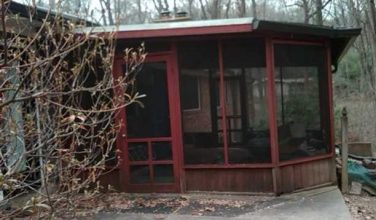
(344, 151)
(276, 174)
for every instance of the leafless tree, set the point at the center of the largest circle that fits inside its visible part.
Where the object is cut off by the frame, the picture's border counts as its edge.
(254, 9)
(228, 8)
(203, 10)
(107, 12)
(242, 7)
(190, 7)
(319, 7)
(214, 8)
(372, 37)
(161, 5)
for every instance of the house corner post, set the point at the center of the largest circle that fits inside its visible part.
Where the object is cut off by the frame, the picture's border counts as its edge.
(344, 151)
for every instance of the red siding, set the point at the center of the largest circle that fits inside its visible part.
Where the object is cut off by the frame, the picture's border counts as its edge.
(229, 180)
(308, 174)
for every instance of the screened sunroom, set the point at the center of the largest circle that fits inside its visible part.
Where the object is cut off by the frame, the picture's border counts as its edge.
(236, 105)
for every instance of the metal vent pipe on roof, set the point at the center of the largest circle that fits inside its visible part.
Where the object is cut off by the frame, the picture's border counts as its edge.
(166, 16)
(181, 14)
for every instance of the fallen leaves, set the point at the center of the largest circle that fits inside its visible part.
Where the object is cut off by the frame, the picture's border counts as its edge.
(361, 207)
(162, 205)
(209, 209)
(223, 202)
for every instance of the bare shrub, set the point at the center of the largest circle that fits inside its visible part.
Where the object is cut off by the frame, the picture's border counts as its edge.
(57, 111)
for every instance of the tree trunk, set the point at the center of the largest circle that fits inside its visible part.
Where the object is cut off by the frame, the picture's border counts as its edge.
(372, 24)
(305, 7)
(117, 9)
(372, 15)
(166, 6)
(122, 11)
(214, 9)
(319, 7)
(264, 10)
(103, 10)
(140, 14)
(254, 9)
(242, 8)
(190, 7)
(158, 5)
(361, 45)
(175, 7)
(109, 12)
(203, 11)
(228, 7)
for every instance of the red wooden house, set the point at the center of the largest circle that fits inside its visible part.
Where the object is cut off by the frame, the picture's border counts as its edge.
(236, 105)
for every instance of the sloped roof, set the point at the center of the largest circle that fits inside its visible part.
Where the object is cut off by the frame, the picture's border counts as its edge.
(176, 27)
(41, 13)
(341, 38)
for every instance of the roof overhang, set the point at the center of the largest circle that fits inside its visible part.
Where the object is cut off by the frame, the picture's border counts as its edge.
(305, 29)
(41, 13)
(341, 39)
(175, 29)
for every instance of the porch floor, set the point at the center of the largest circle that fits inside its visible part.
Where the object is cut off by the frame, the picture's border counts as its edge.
(323, 203)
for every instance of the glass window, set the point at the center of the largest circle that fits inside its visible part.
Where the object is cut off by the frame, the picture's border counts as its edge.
(299, 72)
(203, 135)
(245, 95)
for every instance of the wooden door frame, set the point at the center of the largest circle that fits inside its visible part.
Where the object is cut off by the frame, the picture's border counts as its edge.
(121, 140)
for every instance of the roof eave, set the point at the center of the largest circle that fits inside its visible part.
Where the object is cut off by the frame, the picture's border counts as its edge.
(224, 29)
(306, 29)
(41, 13)
(346, 37)
(175, 29)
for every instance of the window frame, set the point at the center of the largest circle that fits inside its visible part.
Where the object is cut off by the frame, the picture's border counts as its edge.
(328, 104)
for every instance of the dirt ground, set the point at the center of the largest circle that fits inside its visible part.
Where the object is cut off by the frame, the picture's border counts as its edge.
(197, 205)
(361, 206)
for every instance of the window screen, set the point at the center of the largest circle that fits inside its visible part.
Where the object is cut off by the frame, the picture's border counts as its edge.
(190, 99)
(302, 115)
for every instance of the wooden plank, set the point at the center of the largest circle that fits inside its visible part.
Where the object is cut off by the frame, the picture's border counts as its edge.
(305, 175)
(293, 177)
(322, 169)
(298, 177)
(287, 176)
(360, 149)
(329, 103)
(308, 174)
(229, 180)
(344, 152)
